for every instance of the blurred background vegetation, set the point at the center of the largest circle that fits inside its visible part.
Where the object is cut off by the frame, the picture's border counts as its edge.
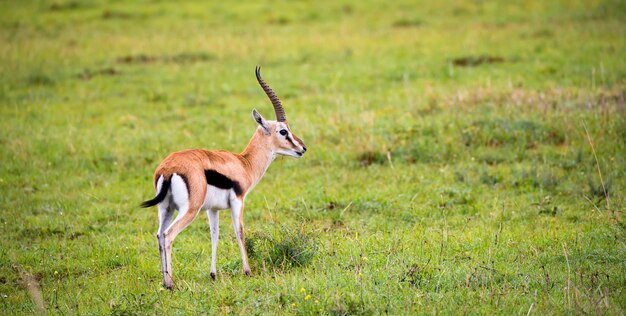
(450, 165)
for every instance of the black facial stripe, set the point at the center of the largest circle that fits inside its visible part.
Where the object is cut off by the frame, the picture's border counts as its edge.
(221, 181)
(291, 140)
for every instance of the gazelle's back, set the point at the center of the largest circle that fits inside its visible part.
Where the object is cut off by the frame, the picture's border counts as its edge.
(197, 161)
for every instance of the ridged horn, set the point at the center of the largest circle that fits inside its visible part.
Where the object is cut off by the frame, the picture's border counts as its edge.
(278, 107)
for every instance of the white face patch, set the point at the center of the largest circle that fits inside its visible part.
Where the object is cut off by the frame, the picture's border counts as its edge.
(290, 146)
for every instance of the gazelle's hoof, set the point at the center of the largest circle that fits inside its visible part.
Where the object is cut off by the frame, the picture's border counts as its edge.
(167, 282)
(247, 272)
(213, 275)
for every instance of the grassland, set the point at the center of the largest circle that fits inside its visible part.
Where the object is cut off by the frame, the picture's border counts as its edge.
(450, 165)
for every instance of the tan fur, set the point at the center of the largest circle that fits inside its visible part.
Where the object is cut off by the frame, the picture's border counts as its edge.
(246, 168)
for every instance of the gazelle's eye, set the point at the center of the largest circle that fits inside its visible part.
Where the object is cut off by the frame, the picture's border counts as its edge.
(283, 132)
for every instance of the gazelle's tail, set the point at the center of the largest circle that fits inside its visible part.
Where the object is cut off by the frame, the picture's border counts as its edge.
(160, 197)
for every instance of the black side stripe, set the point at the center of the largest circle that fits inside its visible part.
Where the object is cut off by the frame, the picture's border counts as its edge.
(221, 181)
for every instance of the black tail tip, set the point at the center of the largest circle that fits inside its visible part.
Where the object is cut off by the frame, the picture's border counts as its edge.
(148, 203)
(160, 197)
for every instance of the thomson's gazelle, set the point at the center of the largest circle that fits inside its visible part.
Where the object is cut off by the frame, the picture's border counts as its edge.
(213, 180)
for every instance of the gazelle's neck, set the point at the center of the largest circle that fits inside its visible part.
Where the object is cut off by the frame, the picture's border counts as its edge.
(259, 155)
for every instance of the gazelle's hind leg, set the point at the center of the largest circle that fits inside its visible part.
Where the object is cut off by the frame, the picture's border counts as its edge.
(236, 207)
(188, 207)
(166, 212)
(214, 225)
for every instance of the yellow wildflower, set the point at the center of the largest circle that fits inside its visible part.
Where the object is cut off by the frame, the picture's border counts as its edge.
(307, 297)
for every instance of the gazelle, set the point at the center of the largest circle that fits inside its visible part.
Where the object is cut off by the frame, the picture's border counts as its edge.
(213, 180)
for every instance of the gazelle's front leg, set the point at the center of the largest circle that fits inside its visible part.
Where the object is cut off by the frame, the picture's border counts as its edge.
(214, 226)
(236, 206)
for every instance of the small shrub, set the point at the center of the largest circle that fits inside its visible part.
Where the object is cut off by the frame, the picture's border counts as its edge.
(39, 79)
(572, 161)
(597, 189)
(473, 61)
(349, 304)
(285, 247)
(371, 157)
(88, 74)
(534, 178)
(416, 275)
(547, 207)
(454, 196)
(64, 6)
(181, 58)
(112, 14)
(490, 179)
(405, 23)
(519, 133)
(460, 176)
(131, 304)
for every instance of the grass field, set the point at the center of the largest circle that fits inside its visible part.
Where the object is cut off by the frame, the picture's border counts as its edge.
(464, 156)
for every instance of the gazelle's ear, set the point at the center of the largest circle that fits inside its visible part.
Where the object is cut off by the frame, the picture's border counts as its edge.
(261, 121)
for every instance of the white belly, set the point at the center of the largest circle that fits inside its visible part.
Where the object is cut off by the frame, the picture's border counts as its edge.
(217, 199)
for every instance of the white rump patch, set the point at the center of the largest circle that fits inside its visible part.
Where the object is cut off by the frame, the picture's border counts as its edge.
(180, 194)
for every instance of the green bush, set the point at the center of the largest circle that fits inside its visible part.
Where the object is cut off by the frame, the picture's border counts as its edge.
(285, 247)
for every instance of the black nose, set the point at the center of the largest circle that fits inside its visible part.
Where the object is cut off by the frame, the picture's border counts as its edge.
(304, 148)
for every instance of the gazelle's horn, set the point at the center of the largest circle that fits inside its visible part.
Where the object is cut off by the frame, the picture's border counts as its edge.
(278, 107)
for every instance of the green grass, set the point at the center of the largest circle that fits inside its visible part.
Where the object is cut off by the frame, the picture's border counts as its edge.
(448, 171)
